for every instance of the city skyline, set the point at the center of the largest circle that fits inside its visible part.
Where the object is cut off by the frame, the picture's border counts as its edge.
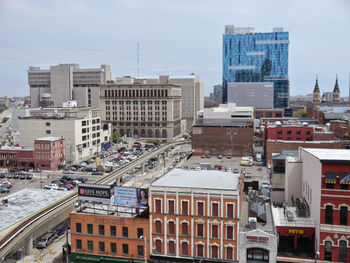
(43, 34)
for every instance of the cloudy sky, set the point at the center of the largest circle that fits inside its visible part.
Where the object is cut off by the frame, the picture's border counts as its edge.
(177, 37)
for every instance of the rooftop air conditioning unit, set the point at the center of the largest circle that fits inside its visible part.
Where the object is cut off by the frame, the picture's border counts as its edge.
(252, 222)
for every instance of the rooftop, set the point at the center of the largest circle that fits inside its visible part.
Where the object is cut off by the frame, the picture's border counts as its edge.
(51, 139)
(280, 217)
(16, 148)
(329, 154)
(204, 179)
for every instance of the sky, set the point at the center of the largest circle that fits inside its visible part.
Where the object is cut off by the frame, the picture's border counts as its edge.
(176, 37)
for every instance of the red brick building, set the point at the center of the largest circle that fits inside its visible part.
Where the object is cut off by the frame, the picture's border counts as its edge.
(48, 154)
(341, 129)
(268, 113)
(325, 188)
(194, 216)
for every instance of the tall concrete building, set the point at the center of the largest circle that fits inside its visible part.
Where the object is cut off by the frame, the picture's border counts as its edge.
(65, 82)
(250, 56)
(217, 94)
(192, 91)
(139, 109)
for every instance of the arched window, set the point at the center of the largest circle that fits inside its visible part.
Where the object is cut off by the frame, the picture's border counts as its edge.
(150, 133)
(143, 133)
(328, 250)
(164, 134)
(136, 133)
(128, 133)
(157, 133)
(342, 251)
(121, 132)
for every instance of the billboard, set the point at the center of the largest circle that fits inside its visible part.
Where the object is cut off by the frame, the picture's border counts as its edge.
(128, 196)
(95, 193)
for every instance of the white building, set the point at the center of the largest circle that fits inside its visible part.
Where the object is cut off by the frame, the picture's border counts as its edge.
(226, 111)
(81, 128)
(65, 82)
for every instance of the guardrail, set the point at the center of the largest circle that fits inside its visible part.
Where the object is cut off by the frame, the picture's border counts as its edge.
(35, 217)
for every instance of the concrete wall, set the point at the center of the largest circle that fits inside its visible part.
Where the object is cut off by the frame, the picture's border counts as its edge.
(255, 94)
(61, 83)
(293, 179)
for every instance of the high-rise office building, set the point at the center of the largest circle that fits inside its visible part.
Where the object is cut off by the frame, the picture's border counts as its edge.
(257, 57)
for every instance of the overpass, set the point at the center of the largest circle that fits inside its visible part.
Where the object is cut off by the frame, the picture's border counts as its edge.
(23, 233)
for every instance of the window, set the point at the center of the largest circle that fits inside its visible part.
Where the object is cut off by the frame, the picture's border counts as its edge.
(328, 250)
(113, 231)
(48, 132)
(171, 247)
(200, 231)
(289, 132)
(171, 206)
(184, 207)
(298, 132)
(308, 132)
(329, 186)
(90, 245)
(200, 249)
(158, 246)
(214, 209)
(113, 248)
(125, 231)
(139, 232)
(101, 230)
(342, 251)
(158, 227)
(229, 210)
(101, 247)
(140, 252)
(200, 208)
(343, 216)
(258, 254)
(78, 227)
(125, 249)
(184, 249)
(171, 227)
(329, 214)
(184, 227)
(90, 229)
(158, 206)
(214, 252)
(214, 231)
(229, 253)
(79, 245)
(48, 124)
(279, 131)
(229, 232)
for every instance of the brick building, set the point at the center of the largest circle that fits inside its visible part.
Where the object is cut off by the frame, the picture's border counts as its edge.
(100, 235)
(48, 154)
(268, 113)
(194, 216)
(341, 129)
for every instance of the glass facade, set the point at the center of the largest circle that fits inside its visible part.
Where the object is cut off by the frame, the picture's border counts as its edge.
(257, 57)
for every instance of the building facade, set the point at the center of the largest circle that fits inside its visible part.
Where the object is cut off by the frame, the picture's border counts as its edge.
(64, 82)
(81, 127)
(47, 154)
(194, 217)
(140, 110)
(217, 94)
(256, 57)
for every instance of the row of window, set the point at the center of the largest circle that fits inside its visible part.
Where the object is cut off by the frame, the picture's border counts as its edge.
(298, 132)
(86, 122)
(136, 93)
(200, 208)
(142, 124)
(112, 248)
(142, 133)
(342, 257)
(200, 232)
(343, 215)
(136, 102)
(101, 230)
(200, 251)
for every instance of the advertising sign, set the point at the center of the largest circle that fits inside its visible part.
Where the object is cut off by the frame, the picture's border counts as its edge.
(130, 196)
(257, 238)
(95, 193)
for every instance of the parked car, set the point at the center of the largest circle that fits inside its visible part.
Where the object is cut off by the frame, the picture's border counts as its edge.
(229, 156)
(68, 172)
(236, 171)
(2, 175)
(59, 230)
(9, 176)
(29, 177)
(4, 189)
(246, 163)
(16, 176)
(220, 156)
(45, 241)
(14, 170)
(208, 155)
(7, 184)
(22, 176)
(97, 173)
(67, 177)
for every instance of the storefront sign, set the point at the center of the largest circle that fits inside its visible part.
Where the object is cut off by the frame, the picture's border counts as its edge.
(296, 231)
(257, 239)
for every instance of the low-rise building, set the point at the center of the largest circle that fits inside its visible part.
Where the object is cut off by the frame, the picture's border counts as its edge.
(194, 216)
(138, 109)
(81, 127)
(47, 154)
(226, 129)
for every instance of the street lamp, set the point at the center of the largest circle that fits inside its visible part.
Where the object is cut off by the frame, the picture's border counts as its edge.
(145, 239)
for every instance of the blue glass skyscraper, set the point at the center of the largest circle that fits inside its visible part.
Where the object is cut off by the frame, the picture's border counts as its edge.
(257, 57)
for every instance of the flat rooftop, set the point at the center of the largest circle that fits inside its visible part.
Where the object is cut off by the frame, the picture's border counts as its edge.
(25, 203)
(16, 148)
(281, 220)
(329, 154)
(51, 139)
(204, 179)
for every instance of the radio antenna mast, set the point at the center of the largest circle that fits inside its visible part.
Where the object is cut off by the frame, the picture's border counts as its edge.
(138, 59)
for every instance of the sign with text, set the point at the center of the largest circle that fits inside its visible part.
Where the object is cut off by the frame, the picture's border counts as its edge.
(257, 238)
(296, 231)
(128, 196)
(95, 193)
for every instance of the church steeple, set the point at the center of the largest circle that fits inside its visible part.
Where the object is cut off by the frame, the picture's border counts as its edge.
(336, 91)
(316, 93)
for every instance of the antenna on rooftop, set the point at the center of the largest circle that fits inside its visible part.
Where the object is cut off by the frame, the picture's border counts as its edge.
(138, 59)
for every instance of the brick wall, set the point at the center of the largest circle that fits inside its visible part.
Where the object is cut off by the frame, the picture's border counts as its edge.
(223, 140)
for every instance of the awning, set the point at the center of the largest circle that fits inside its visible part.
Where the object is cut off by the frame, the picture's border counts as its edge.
(330, 177)
(344, 178)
